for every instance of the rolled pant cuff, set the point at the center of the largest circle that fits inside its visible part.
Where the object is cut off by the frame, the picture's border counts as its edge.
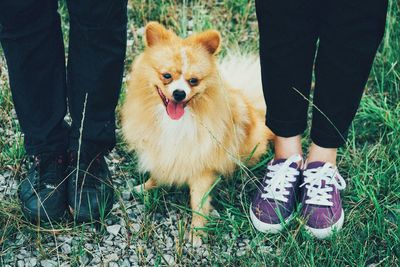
(322, 139)
(286, 128)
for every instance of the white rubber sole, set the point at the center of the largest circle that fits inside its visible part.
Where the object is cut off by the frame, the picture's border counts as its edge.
(267, 227)
(326, 232)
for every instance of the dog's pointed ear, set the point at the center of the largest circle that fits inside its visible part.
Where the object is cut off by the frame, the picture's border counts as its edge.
(156, 33)
(210, 40)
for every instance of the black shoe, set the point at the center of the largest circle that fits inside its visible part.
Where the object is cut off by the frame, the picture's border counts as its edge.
(90, 190)
(43, 193)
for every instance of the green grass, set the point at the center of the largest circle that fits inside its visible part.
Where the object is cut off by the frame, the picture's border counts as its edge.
(370, 163)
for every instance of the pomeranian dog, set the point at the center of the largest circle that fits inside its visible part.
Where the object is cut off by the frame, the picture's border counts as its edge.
(190, 119)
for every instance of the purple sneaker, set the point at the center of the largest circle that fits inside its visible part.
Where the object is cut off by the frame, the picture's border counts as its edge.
(275, 201)
(321, 203)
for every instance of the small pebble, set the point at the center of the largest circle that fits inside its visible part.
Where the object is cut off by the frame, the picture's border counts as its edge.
(264, 249)
(134, 258)
(89, 246)
(114, 229)
(112, 257)
(126, 195)
(32, 262)
(109, 243)
(122, 245)
(48, 263)
(96, 260)
(135, 227)
(84, 260)
(240, 253)
(149, 257)
(170, 260)
(126, 263)
(66, 249)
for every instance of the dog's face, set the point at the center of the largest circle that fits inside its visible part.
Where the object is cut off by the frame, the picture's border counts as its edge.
(179, 70)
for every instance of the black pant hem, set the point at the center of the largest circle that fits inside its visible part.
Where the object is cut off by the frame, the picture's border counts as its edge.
(324, 140)
(286, 128)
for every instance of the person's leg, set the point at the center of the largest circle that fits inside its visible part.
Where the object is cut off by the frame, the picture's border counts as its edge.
(30, 35)
(288, 36)
(323, 154)
(350, 34)
(97, 44)
(32, 42)
(284, 147)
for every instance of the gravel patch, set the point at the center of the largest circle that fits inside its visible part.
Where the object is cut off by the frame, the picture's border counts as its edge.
(133, 235)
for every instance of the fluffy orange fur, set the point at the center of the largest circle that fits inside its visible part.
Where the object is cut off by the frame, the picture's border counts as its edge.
(220, 126)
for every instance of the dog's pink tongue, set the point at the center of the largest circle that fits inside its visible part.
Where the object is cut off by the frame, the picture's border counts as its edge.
(175, 110)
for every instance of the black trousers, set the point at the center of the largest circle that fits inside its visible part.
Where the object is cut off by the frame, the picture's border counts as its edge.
(336, 38)
(31, 38)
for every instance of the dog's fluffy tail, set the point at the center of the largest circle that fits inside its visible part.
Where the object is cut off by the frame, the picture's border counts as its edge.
(243, 72)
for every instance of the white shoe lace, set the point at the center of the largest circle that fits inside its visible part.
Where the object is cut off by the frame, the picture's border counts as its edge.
(281, 177)
(313, 178)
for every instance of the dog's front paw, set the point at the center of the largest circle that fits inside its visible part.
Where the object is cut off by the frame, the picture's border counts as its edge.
(195, 237)
(196, 241)
(144, 187)
(139, 189)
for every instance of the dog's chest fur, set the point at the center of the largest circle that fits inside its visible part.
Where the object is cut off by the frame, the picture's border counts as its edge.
(179, 151)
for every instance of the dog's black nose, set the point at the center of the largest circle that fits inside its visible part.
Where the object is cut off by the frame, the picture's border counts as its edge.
(179, 95)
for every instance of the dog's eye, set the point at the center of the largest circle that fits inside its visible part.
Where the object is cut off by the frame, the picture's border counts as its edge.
(193, 81)
(167, 76)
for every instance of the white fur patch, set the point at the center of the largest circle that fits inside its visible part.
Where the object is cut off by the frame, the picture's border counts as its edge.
(184, 61)
(179, 84)
(173, 131)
